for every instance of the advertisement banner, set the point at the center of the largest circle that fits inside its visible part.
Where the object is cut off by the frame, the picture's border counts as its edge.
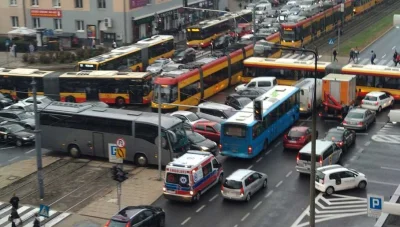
(91, 31)
(53, 13)
(138, 3)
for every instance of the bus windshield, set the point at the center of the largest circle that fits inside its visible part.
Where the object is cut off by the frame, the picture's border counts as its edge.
(194, 36)
(288, 35)
(169, 93)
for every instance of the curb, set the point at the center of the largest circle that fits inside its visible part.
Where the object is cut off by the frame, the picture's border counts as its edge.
(379, 37)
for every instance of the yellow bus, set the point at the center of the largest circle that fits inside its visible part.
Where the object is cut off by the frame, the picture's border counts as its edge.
(135, 57)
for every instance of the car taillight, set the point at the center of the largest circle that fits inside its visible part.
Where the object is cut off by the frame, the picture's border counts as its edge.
(285, 137)
(220, 147)
(322, 181)
(340, 144)
(360, 123)
(302, 137)
(250, 150)
(128, 224)
(107, 224)
(298, 156)
(344, 122)
(320, 160)
(241, 191)
(377, 103)
(362, 101)
(309, 105)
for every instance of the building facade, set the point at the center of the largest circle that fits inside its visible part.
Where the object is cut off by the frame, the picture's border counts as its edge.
(125, 21)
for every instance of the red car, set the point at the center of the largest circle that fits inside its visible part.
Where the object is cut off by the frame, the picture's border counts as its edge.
(210, 130)
(297, 137)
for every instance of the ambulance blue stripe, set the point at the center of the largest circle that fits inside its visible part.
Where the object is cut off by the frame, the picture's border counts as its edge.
(204, 179)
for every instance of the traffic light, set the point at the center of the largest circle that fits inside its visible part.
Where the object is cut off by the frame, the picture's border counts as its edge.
(258, 110)
(185, 3)
(118, 174)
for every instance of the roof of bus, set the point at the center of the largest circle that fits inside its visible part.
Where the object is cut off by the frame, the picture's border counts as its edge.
(286, 63)
(24, 72)
(271, 97)
(88, 109)
(128, 49)
(101, 74)
(223, 18)
(378, 70)
(190, 160)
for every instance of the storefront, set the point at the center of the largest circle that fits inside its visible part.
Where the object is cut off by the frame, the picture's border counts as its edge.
(142, 28)
(190, 17)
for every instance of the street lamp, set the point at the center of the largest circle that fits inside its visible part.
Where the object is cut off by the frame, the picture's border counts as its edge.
(314, 124)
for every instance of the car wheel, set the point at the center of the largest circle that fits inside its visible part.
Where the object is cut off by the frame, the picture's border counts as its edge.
(19, 143)
(330, 191)
(379, 109)
(140, 160)
(197, 197)
(70, 99)
(162, 222)
(74, 151)
(265, 184)
(120, 101)
(221, 178)
(362, 185)
(248, 197)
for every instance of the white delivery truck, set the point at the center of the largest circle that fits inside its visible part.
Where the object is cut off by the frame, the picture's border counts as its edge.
(306, 86)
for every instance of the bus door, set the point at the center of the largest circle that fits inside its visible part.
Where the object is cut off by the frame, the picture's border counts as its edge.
(98, 145)
(135, 94)
(92, 92)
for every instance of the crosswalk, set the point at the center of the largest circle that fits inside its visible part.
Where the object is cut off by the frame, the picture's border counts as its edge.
(389, 133)
(27, 213)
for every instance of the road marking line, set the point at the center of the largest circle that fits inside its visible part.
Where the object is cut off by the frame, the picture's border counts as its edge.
(244, 218)
(269, 193)
(214, 197)
(57, 219)
(4, 148)
(381, 182)
(384, 56)
(278, 184)
(258, 160)
(389, 168)
(198, 210)
(15, 158)
(250, 167)
(277, 144)
(360, 150)
(257, 205)
(302, 123)
(268, 152)
(29, 151)
(186, 220)
(309, 118)
(235, 225)
(367, 143)
(288, 174)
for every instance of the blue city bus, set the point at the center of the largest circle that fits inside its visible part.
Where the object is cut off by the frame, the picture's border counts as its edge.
(244, 137)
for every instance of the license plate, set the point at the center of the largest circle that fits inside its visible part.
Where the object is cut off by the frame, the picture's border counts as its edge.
(234, 150)
(171, 191)
(292, 141)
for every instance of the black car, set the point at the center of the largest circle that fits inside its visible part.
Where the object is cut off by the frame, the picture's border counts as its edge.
(222, 42)
(18, 116)
(138, 216)
(250, 93)
(344, 138)
(237, 102)
(15, 133)
(4, 101)
(201, 143)
(184, 55)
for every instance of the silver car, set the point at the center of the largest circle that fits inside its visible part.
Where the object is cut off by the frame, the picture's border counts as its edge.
(242, 184)
(158, 65)
(359, 119)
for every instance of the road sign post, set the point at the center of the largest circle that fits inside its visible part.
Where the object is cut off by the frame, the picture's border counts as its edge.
(375, 205)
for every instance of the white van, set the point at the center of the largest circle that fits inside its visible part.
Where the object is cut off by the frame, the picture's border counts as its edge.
(394, 116)
(266, 82)
(215, 111)
(307, 93)
(263, 8)
(327, 153)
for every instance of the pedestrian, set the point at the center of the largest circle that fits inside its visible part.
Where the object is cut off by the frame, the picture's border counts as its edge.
(395, 58)
(356, 53)
(373, 56)
(94, 43)
(351, 57)
(212, 45)
(14, 201)
(114, 44)
(36, 222)
(240, 5)
(302, 50)
(14, 216)
(31, 48)
(334, 55)
(12, 50)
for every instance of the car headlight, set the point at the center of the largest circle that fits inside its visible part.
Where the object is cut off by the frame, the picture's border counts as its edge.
(25, 138)
(204, 148)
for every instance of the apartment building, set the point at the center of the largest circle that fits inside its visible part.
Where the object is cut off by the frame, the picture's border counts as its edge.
(105, 20)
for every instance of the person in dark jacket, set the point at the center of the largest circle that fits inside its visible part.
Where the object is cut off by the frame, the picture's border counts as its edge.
(36, 223)
(395, 58)
(334, 55)
(14, 201)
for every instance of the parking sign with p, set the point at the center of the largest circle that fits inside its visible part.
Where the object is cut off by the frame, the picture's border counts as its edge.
(375, 205)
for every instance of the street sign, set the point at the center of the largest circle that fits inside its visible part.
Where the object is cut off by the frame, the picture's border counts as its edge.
(331, 41)
(44, 210)
(120, 142)
(121, 152)
(112, 154)
(375, 205)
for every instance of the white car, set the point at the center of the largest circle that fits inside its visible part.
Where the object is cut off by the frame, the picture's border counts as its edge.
(377, 101)
(187, 116)
(262, 82)
(158, 65)
(332, 178)
(42, 102)
(18, 106)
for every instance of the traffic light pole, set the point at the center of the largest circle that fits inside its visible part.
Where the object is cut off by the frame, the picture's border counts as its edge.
(119, 190)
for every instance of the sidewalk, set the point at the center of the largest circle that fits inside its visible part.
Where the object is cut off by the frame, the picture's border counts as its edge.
(142, 188)
(7, 61)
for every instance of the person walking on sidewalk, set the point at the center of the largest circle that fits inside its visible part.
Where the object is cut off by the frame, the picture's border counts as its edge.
(15, 218)
(356, 53)
(395, 57)
(36, 223)
(351, 57)
(334, 53)
(14, 201)
(373, 56)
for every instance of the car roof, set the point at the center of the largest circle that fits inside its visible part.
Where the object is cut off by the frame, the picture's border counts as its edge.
(321, 146)
(332, 169)
(336, 130)
(375, 93)
(239, 174)
(357, 110)
(205, 122)
(263, 78)
(182, 112)
(299, 128)
(15, 111)
(131, 211)
(212, 105)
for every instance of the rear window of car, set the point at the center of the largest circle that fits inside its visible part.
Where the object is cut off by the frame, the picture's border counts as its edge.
(355, 115)
(115, 223)
(295, 133)
(307, 157)
(232, 184)
(371, 98)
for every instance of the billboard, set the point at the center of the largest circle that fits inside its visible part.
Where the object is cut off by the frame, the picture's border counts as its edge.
(137, 3)
(53, 13)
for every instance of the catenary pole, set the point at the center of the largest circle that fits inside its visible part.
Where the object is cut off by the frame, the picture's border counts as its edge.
(159, 132)
(38, 141)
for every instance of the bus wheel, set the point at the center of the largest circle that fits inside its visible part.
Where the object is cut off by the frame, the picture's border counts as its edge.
(120, 101)
(74, 151)
(140, 160)
(70, 99)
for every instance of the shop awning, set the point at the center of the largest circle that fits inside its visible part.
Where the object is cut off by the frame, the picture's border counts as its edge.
(22, 31)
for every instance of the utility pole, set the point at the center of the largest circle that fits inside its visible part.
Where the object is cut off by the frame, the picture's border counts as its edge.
(38, 141)
(254, 26)
(341, 24)
(159, 132)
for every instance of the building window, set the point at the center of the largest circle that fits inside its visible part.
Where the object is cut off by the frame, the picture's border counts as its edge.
(80, 26)
(14, 22)
(36, 22)
(56, 3)
(35, 2)
(57, 24)
(101, 4)
(13, 2)
(78, 4)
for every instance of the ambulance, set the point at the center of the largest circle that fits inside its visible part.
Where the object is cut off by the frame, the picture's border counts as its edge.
(191, 175)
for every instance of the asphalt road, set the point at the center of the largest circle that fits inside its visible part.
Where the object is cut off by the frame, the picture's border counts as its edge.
(9, 153)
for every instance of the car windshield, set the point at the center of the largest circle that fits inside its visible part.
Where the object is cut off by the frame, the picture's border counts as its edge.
(306, 3)
(14, 128)
(232, 184)
(24, 116)
(355, 115)
(370, 98)
(115, 223)
(196, 137)
(192, 117)
(179, 53)
(334, 136)
(2, 96)
(295, 133)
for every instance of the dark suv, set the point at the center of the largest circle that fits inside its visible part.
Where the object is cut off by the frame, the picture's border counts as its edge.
(18, 116)
(184, 55)
(138, 216)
